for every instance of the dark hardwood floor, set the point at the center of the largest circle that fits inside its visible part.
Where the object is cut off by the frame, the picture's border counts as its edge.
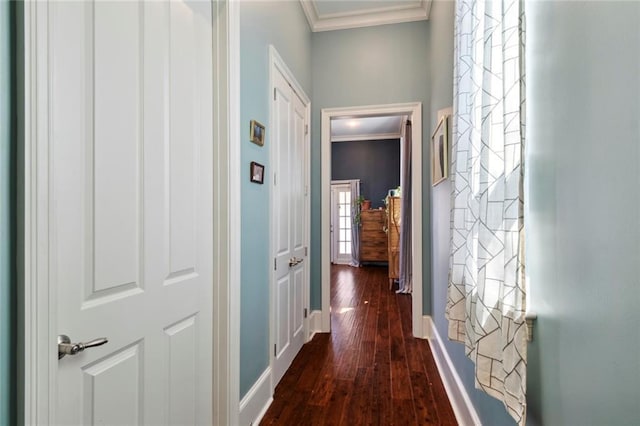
(369, 370)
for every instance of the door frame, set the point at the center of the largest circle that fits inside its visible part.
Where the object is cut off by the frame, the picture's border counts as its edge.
(37, 328)
(414, 112)
(277, 64)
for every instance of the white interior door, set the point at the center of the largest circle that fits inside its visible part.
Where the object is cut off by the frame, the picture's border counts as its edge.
(289, 233)
(341, 222)
(130, 175)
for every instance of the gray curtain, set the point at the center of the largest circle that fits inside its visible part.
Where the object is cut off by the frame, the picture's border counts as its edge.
(405, 284)
(355, 228)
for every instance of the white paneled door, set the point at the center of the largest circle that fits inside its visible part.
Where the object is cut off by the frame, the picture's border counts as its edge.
(289, 222)
(130, 218)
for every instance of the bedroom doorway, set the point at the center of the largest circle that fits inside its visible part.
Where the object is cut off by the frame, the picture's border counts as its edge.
(413, 112)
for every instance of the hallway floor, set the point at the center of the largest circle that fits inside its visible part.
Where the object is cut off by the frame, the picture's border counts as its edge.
(369, 370)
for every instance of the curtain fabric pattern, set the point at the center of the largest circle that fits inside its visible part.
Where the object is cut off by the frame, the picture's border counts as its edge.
(486, 294)
(355, 228)
(405, 284)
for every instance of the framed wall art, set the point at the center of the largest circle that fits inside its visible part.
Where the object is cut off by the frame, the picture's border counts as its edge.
(257, 172)
(440, 152)
(256, 133)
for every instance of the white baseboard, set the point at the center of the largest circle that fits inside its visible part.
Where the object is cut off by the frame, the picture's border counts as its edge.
(256, 401)
(427, 326)
(315, 323)
(460, 402)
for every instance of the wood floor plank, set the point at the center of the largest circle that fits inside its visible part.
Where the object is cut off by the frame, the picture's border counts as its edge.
(369, 370)
(358, 410)
(339, 401)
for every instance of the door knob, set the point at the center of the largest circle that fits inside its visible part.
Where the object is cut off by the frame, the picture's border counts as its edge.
(294, 261)
(65, 347)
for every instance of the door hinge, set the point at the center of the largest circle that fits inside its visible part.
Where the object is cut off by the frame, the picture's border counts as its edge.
(275, 352)
(305, 312)
(274, 93)
(306, 129)
(274, 179)
(305, 251)
(275, 263)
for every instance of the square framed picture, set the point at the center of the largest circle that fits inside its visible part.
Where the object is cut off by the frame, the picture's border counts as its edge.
(257, 133)
(257, 173)
(440, 152)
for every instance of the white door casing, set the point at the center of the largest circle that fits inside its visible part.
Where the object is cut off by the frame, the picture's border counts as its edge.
(120, 244)
(290, 212)
(414, 113)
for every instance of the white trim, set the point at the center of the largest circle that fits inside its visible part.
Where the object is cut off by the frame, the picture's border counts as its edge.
(427, 327)
(256, 402)
(37, 311)
(380, 16)
(227, 227)
(276, 60)
(462, 406)
(414, 113)
(366, 137)
(277, 64)
(315, 324)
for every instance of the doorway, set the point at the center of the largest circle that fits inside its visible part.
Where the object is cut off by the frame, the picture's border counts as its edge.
(413, 111)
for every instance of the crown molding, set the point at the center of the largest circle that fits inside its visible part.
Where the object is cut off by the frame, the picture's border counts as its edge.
(381, 16)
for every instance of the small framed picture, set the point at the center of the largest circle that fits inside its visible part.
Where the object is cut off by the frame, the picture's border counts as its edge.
(439, 152)
(257, 133)
(257, 173)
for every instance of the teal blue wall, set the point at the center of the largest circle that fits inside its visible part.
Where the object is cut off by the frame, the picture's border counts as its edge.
(490, 410)
(6, 269)
(284, 25)
(366, 66)
(583, 217)
(7, 231)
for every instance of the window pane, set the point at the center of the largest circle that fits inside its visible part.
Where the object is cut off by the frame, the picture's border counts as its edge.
(348, 250)
(343, 197)
(344, 221)
(343, 248)
(343, 235)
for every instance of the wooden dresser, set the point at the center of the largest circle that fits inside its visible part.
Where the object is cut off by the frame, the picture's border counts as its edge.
(393, 237)
(373, 239)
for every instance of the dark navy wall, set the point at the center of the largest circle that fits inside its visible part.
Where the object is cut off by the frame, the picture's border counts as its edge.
(375, 163)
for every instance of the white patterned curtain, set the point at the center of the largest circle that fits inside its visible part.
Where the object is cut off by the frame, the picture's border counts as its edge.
(486, 294)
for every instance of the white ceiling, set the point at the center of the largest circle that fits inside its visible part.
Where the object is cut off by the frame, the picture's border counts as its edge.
(366, 128)
(327, 15)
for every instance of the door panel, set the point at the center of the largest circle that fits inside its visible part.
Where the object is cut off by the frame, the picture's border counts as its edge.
(181, 348)
(298, 303)
(120, 369)
(283, 315)
(113, 96)
(131, 214)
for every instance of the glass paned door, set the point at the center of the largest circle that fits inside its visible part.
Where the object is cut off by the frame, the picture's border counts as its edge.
(341, 223)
